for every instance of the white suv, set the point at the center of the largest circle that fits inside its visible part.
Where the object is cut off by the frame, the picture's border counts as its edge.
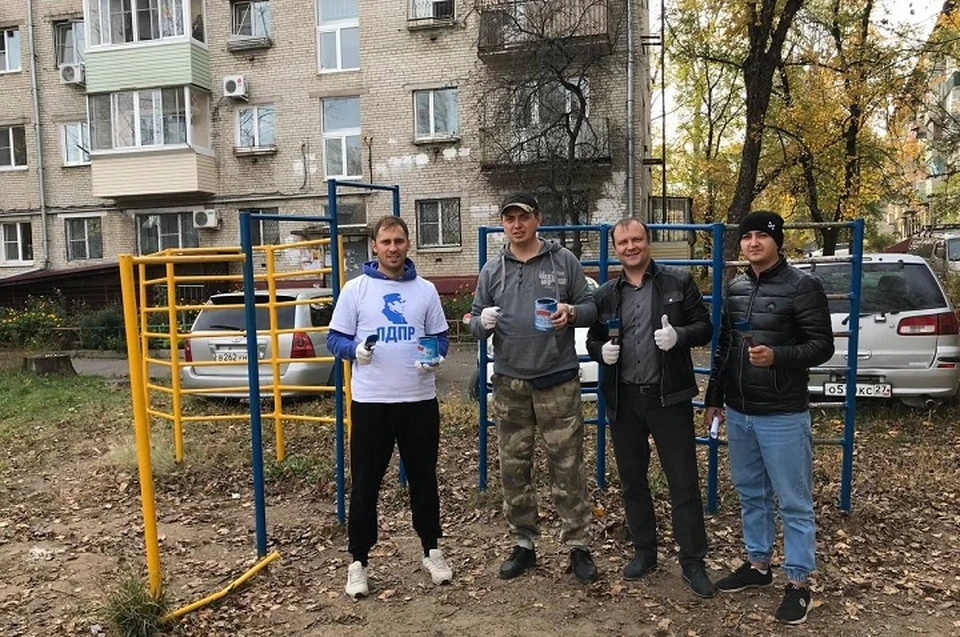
(908, 348)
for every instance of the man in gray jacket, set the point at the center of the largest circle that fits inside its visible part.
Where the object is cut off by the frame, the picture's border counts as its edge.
(536, 382)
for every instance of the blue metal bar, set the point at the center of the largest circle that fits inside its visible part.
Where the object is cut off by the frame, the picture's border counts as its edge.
(338, 406)
(601, 469)
(360, 184)
(253, 374)
(716, 311)
(482, 378)
(853, 343)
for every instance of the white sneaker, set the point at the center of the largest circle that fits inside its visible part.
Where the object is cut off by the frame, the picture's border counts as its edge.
(440, 571)
(357, 581)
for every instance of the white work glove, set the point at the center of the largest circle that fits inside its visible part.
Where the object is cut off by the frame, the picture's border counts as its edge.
(429, 367)
(610, 352)
(489, 317)
(364, 355)
(665, 337)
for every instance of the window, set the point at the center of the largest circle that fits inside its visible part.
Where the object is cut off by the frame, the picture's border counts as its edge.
(84, 239)
(17, 242)
(438, 223)
(76, 144)
(162, 231)
(264, 231)
(71, 42)
(436, 113)
(251, 19)
(338, 35)
(153, 117)
(341, 137)
(13, 147)
(431, 9)
(120, 21)
(256, 127)
(9, 50)
(545, 105)
(563, 209)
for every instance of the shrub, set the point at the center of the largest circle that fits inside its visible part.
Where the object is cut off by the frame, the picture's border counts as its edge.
(33, 326)
(454, 307)
(101, 328)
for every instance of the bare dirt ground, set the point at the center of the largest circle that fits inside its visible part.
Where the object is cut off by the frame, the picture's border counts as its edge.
(70, 527)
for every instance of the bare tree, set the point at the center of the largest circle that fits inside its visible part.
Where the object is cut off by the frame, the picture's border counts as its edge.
(542, 126)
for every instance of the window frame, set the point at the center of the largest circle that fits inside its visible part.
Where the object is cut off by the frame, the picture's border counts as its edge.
(441, 222)
(98, 12)
(69, 240)
(186, 93)
(257, 233)
(257, 145)
(343, 134)
(75, 26)
(337, 27)
(185, 222)
(11, 139)
(433, 134)
(234, 4)
(23, 229)
(7, 47)
(84, 139)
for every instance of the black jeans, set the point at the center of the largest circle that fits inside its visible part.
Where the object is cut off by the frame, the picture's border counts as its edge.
(415, 428)
(640, 415)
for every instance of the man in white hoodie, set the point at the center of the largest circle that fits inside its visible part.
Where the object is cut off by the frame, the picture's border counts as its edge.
(394, 395)
(536, 382)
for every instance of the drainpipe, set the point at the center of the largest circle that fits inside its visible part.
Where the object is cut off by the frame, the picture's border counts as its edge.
(38, 130)
(631, 156)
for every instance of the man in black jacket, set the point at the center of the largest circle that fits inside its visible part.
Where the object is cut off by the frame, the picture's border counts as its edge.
(648, 383)
(776, 325)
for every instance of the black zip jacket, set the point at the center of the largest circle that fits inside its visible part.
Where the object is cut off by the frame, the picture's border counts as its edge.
(786, 310)
(676, 295)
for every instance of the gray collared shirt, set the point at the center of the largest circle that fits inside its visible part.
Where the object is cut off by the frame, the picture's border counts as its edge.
(639, 359)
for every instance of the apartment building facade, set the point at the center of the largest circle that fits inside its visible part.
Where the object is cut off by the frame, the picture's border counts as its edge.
(130, 126)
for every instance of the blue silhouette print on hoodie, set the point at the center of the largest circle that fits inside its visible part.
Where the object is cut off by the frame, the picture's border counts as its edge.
(393, 306)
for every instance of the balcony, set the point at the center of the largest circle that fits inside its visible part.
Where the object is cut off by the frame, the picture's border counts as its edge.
(126, 68)
(501, 148)
(425, 14)
(511, 28)
(143, 173)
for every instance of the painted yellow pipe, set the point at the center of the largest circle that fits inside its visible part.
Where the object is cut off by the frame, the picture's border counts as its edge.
(209, 599)
(141, 424)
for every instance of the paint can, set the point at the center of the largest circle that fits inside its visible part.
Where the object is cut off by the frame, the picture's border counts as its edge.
(542, 310)
(428, 350)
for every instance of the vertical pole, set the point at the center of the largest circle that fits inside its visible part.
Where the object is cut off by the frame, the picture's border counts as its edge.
(141, 423)
(253, 373)
(281, 443)
(172, 329)
(716, 310)
(396, 213)
(601, 469)
(338, 363)
(853, 344)
(482, 378)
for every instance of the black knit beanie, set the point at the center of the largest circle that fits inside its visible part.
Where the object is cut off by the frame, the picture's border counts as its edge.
(763, 221)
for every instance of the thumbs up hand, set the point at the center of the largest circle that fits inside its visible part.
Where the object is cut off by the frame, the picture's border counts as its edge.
(666, 336)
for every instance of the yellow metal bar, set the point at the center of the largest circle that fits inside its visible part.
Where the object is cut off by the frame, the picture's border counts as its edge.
(321, 419)
(173, 326)
(292, 274)
(279, 440)
(300, 244)
(189, 608)
(191, 258)
(141, 424)
(225, 277)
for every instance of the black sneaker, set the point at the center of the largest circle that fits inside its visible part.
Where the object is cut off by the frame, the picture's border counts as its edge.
(640, 565)
(695, 575)
(582, 565)
(795, 605)
(743, 578)
(519, 561)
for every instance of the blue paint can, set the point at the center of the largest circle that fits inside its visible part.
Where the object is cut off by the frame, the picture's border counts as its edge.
(428, 350)
(542, 310)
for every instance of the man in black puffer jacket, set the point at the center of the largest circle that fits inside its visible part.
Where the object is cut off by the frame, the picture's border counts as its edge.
(775, 327)
(648, 384)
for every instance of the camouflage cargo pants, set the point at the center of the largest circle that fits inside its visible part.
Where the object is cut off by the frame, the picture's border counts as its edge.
(554, 413)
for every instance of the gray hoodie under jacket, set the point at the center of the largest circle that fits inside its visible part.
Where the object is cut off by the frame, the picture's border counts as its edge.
(521, 351)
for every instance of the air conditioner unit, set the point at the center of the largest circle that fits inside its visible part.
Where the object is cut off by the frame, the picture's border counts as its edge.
(235, 86)
(72, 73)
(206, 219)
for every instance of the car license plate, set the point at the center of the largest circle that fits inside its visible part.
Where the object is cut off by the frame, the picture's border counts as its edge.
(864, 390)
(231, 355)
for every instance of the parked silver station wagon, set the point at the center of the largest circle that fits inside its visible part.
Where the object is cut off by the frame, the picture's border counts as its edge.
(909, 347)
(231, 347)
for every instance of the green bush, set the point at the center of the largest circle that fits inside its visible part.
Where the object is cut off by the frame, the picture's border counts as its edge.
(101, 329)
(32, 326)
(454, 307)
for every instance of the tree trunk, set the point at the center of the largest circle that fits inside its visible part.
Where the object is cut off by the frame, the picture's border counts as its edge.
(49, 365)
